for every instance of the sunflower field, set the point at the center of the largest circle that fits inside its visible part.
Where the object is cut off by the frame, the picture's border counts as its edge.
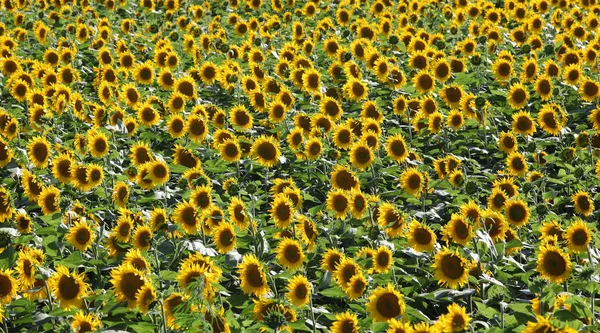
(299, 166)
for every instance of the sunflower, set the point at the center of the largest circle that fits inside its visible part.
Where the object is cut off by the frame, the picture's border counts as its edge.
(265, 150)
(502, 69)
(253, 279)
(68, 288)
(385, 303)
(299, 290)
(282, 211)
(131, 94)
(85, 322)
(97, 143)
(175, 303)
(38, 151)
(355, 90)
(451, 269)
(413, 181)
(185, 215)
(578, 237)
(127, 281)
(31, 185)
(196, 128)
(224, 237)
(572, 74)
(342, 136)
(240, 117)
(391, 219)
(6, 153)
(345, 270)
(548, 119)
(24, 223)
(186, 86)
(147, 115)
(346, 322)
(289, 254)
(396, 148)
(516, 163)
(80, 236)
(424, 82)
(398, 326)
(209, 72)
(543, 87)
(135, 258)
(361, 155)
(120, 194)
(311, 80)
(517, 96)
(177, 102)
(542, 324)
(497, 199)
(583, 203)
(49, 200)
(522, 123)
(8, 286)
(517, 212)
(382, 260)
(145, 297)
(554, 264)
(122, 231)
(358, 203)
(458, 230)
(331, 259)
(589, 89)
(339, 202)
(142, 238)
(421, 237)
(313, 148)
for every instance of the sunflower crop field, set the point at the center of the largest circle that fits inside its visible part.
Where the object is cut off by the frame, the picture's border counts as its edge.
(299, 166)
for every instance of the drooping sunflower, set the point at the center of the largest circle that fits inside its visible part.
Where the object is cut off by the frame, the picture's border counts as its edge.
(346, 322)
(49, 200)
(299, 290)
(421, 237)
(175, 303)
(68, 288)
(38, 151)
(578, 237)
(554, 264)
(265, 150)
(583, 203)
(361, 155)
(516, 212)
(85, 322)
(289, 254)
(385, 303)
(145, 297)
(253, 279)
(81, 236)
(451, 269)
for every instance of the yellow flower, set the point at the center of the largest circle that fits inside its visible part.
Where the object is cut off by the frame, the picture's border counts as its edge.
(254, 280)
(299, 290)
(451, 269)
(554, 264)
(385, 303)
(68, 288)
(578, 237)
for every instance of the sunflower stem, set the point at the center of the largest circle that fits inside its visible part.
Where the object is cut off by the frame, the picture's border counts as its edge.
(312, 315)
(48, 294)
(164, 316)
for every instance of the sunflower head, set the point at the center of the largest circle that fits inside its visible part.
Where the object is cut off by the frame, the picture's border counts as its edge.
(451, 269)
(385, 303)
